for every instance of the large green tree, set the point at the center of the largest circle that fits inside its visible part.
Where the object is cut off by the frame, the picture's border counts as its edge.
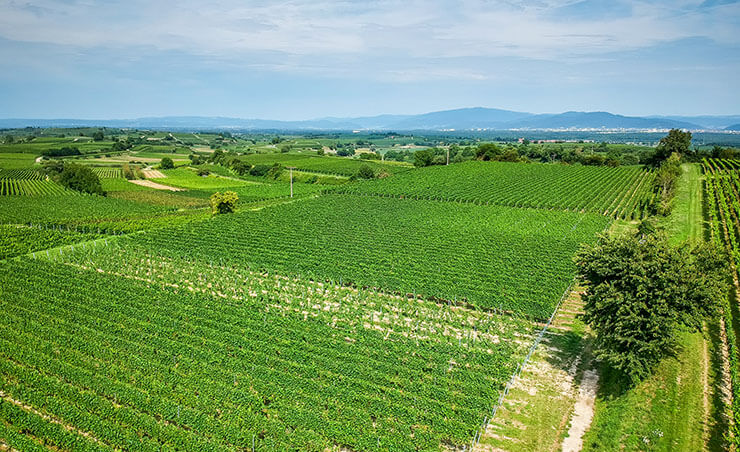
(640, 291)
(677, 141)
(80, 178)
(423, 157)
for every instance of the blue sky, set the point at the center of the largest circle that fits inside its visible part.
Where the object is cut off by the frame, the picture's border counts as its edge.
(314, 58)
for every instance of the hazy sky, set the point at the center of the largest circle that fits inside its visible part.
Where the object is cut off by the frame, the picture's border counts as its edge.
(313, 58)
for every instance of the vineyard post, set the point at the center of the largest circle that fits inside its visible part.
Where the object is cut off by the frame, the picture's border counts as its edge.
(291, 168)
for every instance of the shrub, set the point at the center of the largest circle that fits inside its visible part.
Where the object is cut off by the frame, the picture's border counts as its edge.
(80, 178)
(166, 163)
(223, 202)
(365, 172)
(259, 170)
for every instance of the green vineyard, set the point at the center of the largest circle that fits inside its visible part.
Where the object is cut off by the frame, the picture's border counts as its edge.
(32, 187)
(494, 257)
(391, 316)
(325, 165)
(235, 359)
(625, 192)
(723, 208)
(107, 173)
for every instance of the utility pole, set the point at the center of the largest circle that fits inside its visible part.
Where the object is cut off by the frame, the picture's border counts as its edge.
(291, 168)
(448, 155)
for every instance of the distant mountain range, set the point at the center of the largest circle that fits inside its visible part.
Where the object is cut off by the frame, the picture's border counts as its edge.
(459, 119)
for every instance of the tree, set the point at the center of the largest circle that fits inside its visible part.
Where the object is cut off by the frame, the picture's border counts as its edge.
(666, 178)
(166, 163)
(80, 178)
(223, 202)
(259, 170)
(98, 135)
(677, 141)
(487, 151)
(275, 171)
(423, 158)
(640, 291)
(9, 139)
(365, 172)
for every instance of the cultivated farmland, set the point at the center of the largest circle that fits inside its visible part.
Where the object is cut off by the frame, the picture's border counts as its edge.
(389, 314)
(616, 192)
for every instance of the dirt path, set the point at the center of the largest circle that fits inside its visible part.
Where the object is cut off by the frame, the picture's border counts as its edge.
(150, 184)
(705, 384)
(583, 412)
(536, 413)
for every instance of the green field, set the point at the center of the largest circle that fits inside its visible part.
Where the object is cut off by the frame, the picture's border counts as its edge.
(283, 363)
(371, 316)
(496, 257)
(323, 164)
(616, 192)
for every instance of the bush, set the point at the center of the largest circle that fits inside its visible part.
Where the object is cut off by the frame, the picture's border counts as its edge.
(223, 202)
(365, 172)
(166, 163)
(275, 171)
(259, 170)
(128, 172)
(62, 152)
(80, 178)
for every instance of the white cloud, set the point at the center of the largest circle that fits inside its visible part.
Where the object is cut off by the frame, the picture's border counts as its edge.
(335, 36)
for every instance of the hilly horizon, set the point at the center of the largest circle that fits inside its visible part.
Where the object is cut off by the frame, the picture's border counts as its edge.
(472, 118)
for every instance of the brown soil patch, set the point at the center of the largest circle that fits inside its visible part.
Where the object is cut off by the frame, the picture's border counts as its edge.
(150, 184)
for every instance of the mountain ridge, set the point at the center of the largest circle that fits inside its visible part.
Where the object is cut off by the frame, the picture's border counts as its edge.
(471, 118)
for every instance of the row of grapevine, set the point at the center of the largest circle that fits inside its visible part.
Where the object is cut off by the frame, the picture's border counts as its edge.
(107, 172)
(324, 164)
(493, 257)
(624, 192)
(26, 174)
(31, 187)
(73, 210)
(16, 240)
(188, 355)
(723, 208)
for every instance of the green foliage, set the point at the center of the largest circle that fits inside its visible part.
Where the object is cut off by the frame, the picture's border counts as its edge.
(640, 291)
(666, 178)
(617, 192)
(166, 163)
(488, 151)
(275, 171)
(676, 142)
(16, 240)
(223, 202)
(318, 164)
(497, 257)
(80, 178)
(365, 172)
(98, 136)
(146, 369)
(423, 158)
(62, 152)
(71, 210)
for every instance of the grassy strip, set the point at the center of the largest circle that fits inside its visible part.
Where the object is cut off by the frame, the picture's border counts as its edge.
(666, 411)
